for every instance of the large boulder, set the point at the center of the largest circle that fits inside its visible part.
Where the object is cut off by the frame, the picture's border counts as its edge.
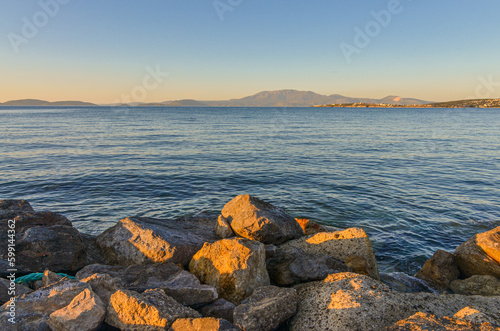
(349, 301)
(236, 267)
(425, 321)
(181, 285)
(480, 255)
(32, 310)
(140, 240)
(84, 313)
(477, 285)
(151, 310)
(290, 265)
(340, 245)
(202, 324)
(440, 270)
(7, 288)
(255, 219)
(43, 240)
(266, 309)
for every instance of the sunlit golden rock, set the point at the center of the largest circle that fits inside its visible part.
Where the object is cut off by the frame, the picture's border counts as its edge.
(255, 219)
(423, 321)
(202, 324)
(236, 267)
(480, 255)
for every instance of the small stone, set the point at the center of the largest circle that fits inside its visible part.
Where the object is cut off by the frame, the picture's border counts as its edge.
(440, 270)
(220, 308)
(223, 229)
(50, 277)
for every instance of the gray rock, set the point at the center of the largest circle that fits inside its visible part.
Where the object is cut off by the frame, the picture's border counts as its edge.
(290, 265)
(103, 285)
(33, 309)
(404, 283)
(255, 219)
(44, 240)
(473, 315)
(223, 229)
(6, 286)
(220, 308)
(177, 283)
(151, 310)
(339, 245)
(12, 208)
(84, 313)
(266, 309)
(236, 267)
(477, 285)
(440, 270)
(202, 324)
(139, 240)
(349, 301)
(425, 321)
(50, 277)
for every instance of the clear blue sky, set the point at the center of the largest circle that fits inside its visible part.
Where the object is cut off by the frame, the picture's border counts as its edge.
(99, 50)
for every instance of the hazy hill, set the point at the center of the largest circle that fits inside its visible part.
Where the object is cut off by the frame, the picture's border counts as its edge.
(184, 103)
(35, 102)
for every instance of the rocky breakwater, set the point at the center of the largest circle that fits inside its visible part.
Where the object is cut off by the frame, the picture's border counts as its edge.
(252, 268)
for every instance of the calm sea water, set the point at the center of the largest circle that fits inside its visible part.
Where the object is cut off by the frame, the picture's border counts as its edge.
(416, 180)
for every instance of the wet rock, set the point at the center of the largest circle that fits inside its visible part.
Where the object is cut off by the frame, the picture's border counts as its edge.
(33, 309)
(220, 308)
(236, 267)
(202, 324)
(176, 282)
(477, 285)
(290, 265)
(140, 240)
(44, 240)
(266, 308)
(6, 286)
(348, 301)
(255, 219)
(340, 245)
(151, 310)
(223, 229)
(440, 270)
(425, 321)
(84, 313)
(404, 283)
(480, 255)
(50, 277)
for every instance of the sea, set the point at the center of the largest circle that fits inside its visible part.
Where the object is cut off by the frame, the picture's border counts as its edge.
(416, 180)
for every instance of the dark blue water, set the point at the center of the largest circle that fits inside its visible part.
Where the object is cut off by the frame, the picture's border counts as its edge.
(416, 180)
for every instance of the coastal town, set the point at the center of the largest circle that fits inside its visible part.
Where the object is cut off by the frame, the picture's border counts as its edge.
(473, 103)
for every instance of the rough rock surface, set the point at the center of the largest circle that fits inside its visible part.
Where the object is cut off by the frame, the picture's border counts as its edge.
(84, 313)
(349, 301)
(236, 267)
(220, 308)
(480, 255)
(475, 316)
(423, 321)
(440, 270)
(404, 283)
(202, 324)
(103, 286)
(6, 285)
(266, 308)
(50, 277)
(223, 229)
(177, 283)
(33, 309)
(151, 310)
(139, 240)
(310, 227)
(44, 240)
(340, 245)
(290, 265)
(255, 219)
(477, 285)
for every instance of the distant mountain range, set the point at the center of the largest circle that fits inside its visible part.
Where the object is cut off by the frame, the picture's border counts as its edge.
(281, 98)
